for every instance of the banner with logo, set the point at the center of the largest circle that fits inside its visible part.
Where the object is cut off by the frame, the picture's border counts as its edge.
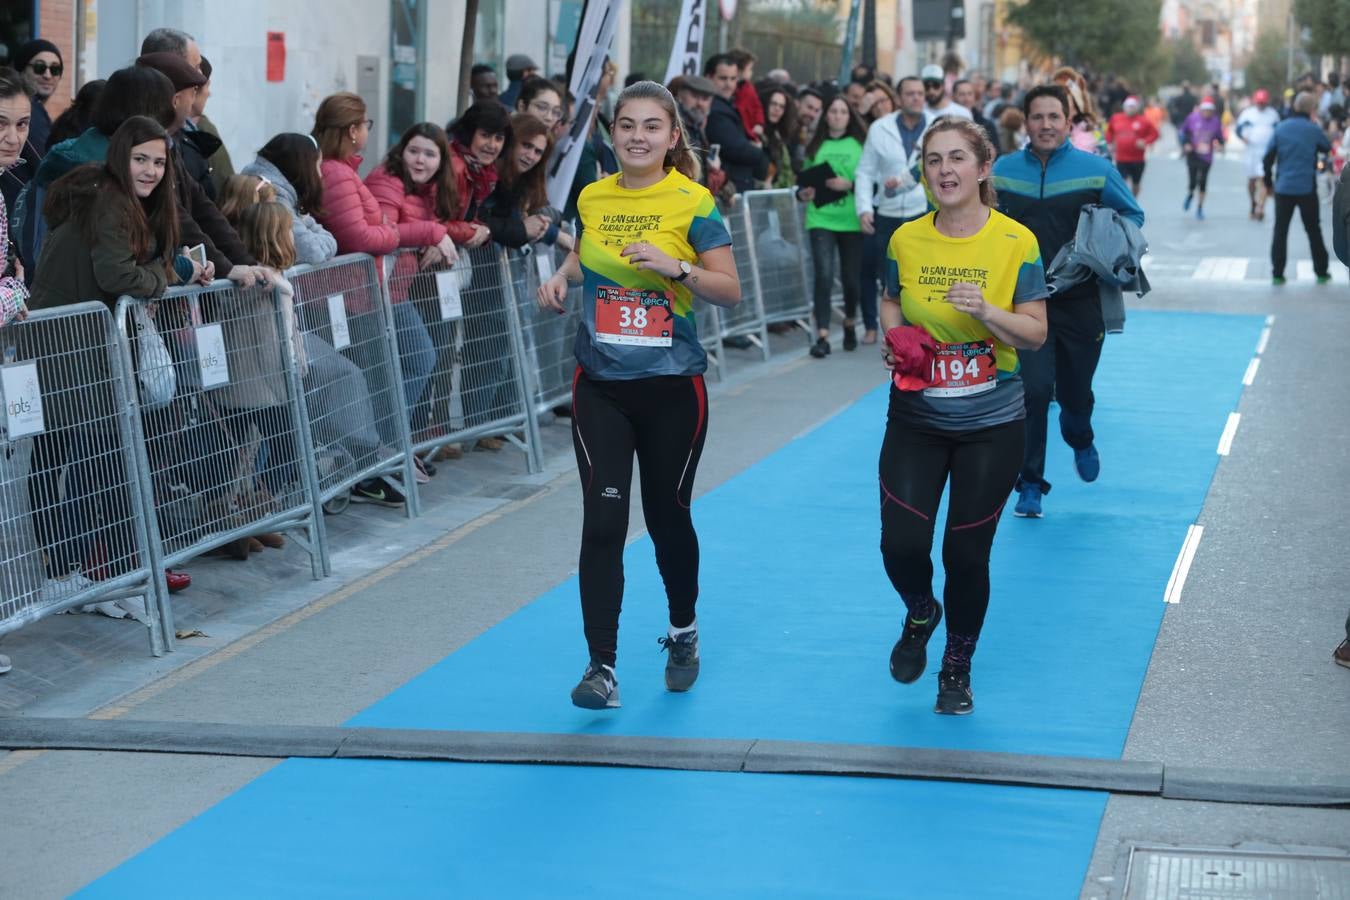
(686, 56)
(850, 39)
(598, 23)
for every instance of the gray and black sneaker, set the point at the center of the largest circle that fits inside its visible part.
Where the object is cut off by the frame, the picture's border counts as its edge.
(954, 697)
(599, 688)
(910, 653)
(682, 664)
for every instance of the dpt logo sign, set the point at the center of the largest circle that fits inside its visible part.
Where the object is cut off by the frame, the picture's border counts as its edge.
(23, 400)
(686, 56)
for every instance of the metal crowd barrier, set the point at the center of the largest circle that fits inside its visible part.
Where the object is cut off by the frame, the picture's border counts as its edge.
(72, 532)
(747, 317)
(781, 254)
(549, 337)
(354, 384)
(462, 349)
(221, 420)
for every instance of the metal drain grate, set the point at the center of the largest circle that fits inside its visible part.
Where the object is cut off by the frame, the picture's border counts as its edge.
(1171, 874)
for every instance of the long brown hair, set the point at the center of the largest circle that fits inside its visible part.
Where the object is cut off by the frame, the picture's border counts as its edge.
(978, 142)
(447, 195)
(335, 115)
(854, 129)
(682, 157)
(532, 185)
(152, 222)
(240, 192)
(265, 229)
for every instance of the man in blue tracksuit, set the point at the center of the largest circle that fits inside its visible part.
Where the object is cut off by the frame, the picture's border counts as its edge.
(1292, 154)
(1044, 186)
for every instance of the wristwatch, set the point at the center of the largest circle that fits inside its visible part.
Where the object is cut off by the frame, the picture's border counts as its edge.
(685, 269)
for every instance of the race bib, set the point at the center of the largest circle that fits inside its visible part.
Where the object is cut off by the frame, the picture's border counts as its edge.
(963, 369)
(633, 316)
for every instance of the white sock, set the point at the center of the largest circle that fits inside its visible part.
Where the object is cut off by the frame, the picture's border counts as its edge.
(676, 632)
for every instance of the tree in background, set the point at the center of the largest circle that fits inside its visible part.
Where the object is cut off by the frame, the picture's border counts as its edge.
(1267, 66)
(1099, 35)
(1328, 24)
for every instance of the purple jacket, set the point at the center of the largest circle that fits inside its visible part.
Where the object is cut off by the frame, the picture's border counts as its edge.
(1202, 134)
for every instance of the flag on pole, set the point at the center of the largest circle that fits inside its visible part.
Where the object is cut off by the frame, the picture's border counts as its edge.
(686, 55)
(850, 38)
(593, 41)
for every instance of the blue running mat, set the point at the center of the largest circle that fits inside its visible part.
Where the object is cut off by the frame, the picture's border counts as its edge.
(797, 620)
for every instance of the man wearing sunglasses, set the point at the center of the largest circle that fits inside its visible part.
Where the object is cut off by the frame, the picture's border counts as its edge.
(40, 62)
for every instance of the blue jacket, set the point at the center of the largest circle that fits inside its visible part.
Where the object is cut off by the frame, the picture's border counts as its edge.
(1047, 197)
(1293, 153)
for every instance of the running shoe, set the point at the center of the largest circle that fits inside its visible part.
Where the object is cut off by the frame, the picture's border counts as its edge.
(378, 492)
(850, 337)
(1186, 206)
(1342, 654)
(599, 688)
(954, 697)
(910, 653)
(1088, 463)
(1200, 213)
(682, 664)
(1324, 279)
(1028, 502)
(821, 348)
(1278, 281)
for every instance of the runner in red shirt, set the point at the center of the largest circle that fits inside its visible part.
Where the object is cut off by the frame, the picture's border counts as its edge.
(1130, 133)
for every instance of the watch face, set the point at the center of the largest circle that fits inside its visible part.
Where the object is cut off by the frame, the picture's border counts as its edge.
(685, 267)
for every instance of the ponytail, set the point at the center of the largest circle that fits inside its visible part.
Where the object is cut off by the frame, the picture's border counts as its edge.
(681, 157)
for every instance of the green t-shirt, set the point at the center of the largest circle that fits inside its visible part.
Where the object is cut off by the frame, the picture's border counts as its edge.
(842, 154)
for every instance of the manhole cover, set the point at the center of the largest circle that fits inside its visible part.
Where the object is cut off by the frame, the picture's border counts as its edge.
(1159, 874)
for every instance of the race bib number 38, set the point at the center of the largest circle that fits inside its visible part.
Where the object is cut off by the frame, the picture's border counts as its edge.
(633, 316)
(963, 369)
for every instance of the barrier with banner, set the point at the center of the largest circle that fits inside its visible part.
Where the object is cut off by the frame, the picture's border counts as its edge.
(354, 384)
(72, 533)
(221, 419)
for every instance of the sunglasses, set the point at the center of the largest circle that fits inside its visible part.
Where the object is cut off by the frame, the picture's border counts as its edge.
(42, 68)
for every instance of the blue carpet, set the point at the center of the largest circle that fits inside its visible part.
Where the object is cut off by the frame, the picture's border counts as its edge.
(797, 619)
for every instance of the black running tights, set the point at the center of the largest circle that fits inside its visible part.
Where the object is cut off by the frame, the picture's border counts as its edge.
(915, 465)
(663, 420)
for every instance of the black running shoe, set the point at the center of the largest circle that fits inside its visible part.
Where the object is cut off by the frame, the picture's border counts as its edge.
(682, 664)
(910, 654)
(598, 689)
(379, 492)
(850, 337)
(821, 348)
(954, 697)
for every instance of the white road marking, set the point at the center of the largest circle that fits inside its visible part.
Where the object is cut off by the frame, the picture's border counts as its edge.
(1252, 366)
(1221, 268)
(1229, 432)
(1305, 272)
(1183, 564)
(1263, 340)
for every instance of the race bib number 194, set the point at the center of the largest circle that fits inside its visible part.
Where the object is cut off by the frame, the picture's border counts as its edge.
(633, 316)
(963, 369)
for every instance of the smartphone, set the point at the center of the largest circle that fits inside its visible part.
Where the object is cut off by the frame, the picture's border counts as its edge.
(198, 255)
(714, 153)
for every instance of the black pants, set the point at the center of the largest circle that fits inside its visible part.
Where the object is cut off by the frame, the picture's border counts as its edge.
(1197, 170)
(915, 466)
(664, 420)
(1310, 213)
(1062, 369)
(825, 246)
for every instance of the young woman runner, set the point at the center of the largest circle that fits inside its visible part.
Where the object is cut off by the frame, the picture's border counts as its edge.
(969, 282)
(651, 241)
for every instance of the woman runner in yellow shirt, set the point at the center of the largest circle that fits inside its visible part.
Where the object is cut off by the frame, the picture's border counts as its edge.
(651, 240)
(970, 284)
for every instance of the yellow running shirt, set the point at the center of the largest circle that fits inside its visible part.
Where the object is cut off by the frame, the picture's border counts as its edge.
(921, 264)
(637, 323)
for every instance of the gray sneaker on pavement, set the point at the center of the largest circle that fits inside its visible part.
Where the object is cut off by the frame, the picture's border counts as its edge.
(682, 664)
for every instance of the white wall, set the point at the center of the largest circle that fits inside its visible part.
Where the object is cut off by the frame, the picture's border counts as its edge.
(323, 40)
